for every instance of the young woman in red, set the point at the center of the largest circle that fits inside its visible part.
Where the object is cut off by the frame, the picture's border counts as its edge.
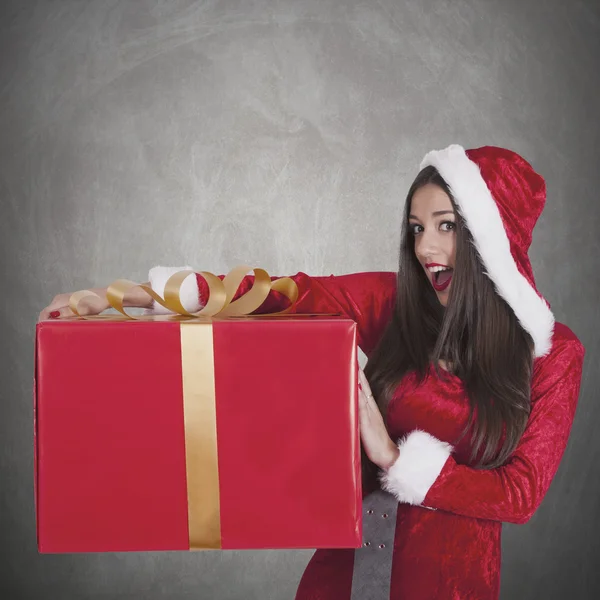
(469, 391)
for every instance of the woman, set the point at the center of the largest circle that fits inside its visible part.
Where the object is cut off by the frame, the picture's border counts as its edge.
(470, 388)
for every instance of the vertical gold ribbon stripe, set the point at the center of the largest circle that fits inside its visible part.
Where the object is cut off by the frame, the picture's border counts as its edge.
(199, 405)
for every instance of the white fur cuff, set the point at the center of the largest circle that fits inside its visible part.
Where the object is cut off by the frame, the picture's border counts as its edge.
(422, 458)
(158, 277)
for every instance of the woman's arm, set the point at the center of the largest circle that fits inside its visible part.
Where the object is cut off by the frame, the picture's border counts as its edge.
(93, 305)
(426, 474)
(366, 298)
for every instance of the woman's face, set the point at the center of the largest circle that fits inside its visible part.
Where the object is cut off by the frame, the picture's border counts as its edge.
(433, 224)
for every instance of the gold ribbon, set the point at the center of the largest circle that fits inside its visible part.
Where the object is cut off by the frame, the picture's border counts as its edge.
(200, 421)
(220, 302)
(197, 364)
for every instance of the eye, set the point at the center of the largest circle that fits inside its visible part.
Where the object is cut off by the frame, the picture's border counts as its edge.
(448, 225)
(414, 228)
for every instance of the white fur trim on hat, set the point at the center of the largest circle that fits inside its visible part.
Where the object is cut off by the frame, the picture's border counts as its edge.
(422, 458)
(479, 209)
(159, 276)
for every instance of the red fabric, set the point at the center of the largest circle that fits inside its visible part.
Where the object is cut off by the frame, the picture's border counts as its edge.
(520, 195)
(367, 298)
(455, 551)
(110, 445)
(513, 492)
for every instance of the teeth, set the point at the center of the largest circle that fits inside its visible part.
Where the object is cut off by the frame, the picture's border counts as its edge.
(438, 269)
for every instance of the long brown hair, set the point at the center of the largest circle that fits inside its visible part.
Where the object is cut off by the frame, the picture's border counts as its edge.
(477, 334)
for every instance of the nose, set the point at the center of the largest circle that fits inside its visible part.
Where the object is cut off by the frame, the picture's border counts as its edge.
(426, 246)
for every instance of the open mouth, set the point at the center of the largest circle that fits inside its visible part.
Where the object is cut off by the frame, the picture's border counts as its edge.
(441, 278)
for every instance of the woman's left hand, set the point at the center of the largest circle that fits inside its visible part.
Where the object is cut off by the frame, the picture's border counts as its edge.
(377, 443)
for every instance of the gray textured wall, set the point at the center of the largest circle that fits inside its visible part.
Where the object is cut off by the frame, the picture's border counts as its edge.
(282, 134)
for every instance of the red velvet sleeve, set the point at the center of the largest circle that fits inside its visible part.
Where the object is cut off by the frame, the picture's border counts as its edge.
(426, 474)
(514, 491)
(366, 298)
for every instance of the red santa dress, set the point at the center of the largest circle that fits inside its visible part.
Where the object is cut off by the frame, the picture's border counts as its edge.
(432, 527)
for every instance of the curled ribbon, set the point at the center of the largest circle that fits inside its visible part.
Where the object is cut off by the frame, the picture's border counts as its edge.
(220, 302)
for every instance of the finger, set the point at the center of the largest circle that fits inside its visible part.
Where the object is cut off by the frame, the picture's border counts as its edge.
(363, 401)
(57, 303)
(47, 313)
(363, 386)
(65, 311)
(58, 313)
(366, 405)
(365, 383)
(361, 379)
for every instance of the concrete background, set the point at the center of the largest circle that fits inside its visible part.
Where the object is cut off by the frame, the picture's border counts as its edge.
(285, 135)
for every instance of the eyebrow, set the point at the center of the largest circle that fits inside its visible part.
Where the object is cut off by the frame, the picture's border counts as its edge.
(437, 213)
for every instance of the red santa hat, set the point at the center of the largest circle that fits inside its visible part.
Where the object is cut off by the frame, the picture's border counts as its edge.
(501, 197)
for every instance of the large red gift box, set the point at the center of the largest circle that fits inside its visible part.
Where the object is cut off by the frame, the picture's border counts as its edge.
(172, 435)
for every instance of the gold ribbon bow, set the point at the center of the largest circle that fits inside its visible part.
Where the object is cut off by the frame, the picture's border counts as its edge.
(219, 303)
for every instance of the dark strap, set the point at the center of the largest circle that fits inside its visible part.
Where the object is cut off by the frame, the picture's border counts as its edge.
(373, 561)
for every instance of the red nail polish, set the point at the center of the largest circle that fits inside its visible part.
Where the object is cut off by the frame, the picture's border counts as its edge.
(359, 386)
(55, 314)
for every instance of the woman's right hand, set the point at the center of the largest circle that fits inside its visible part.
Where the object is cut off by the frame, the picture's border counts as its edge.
(91, 305)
